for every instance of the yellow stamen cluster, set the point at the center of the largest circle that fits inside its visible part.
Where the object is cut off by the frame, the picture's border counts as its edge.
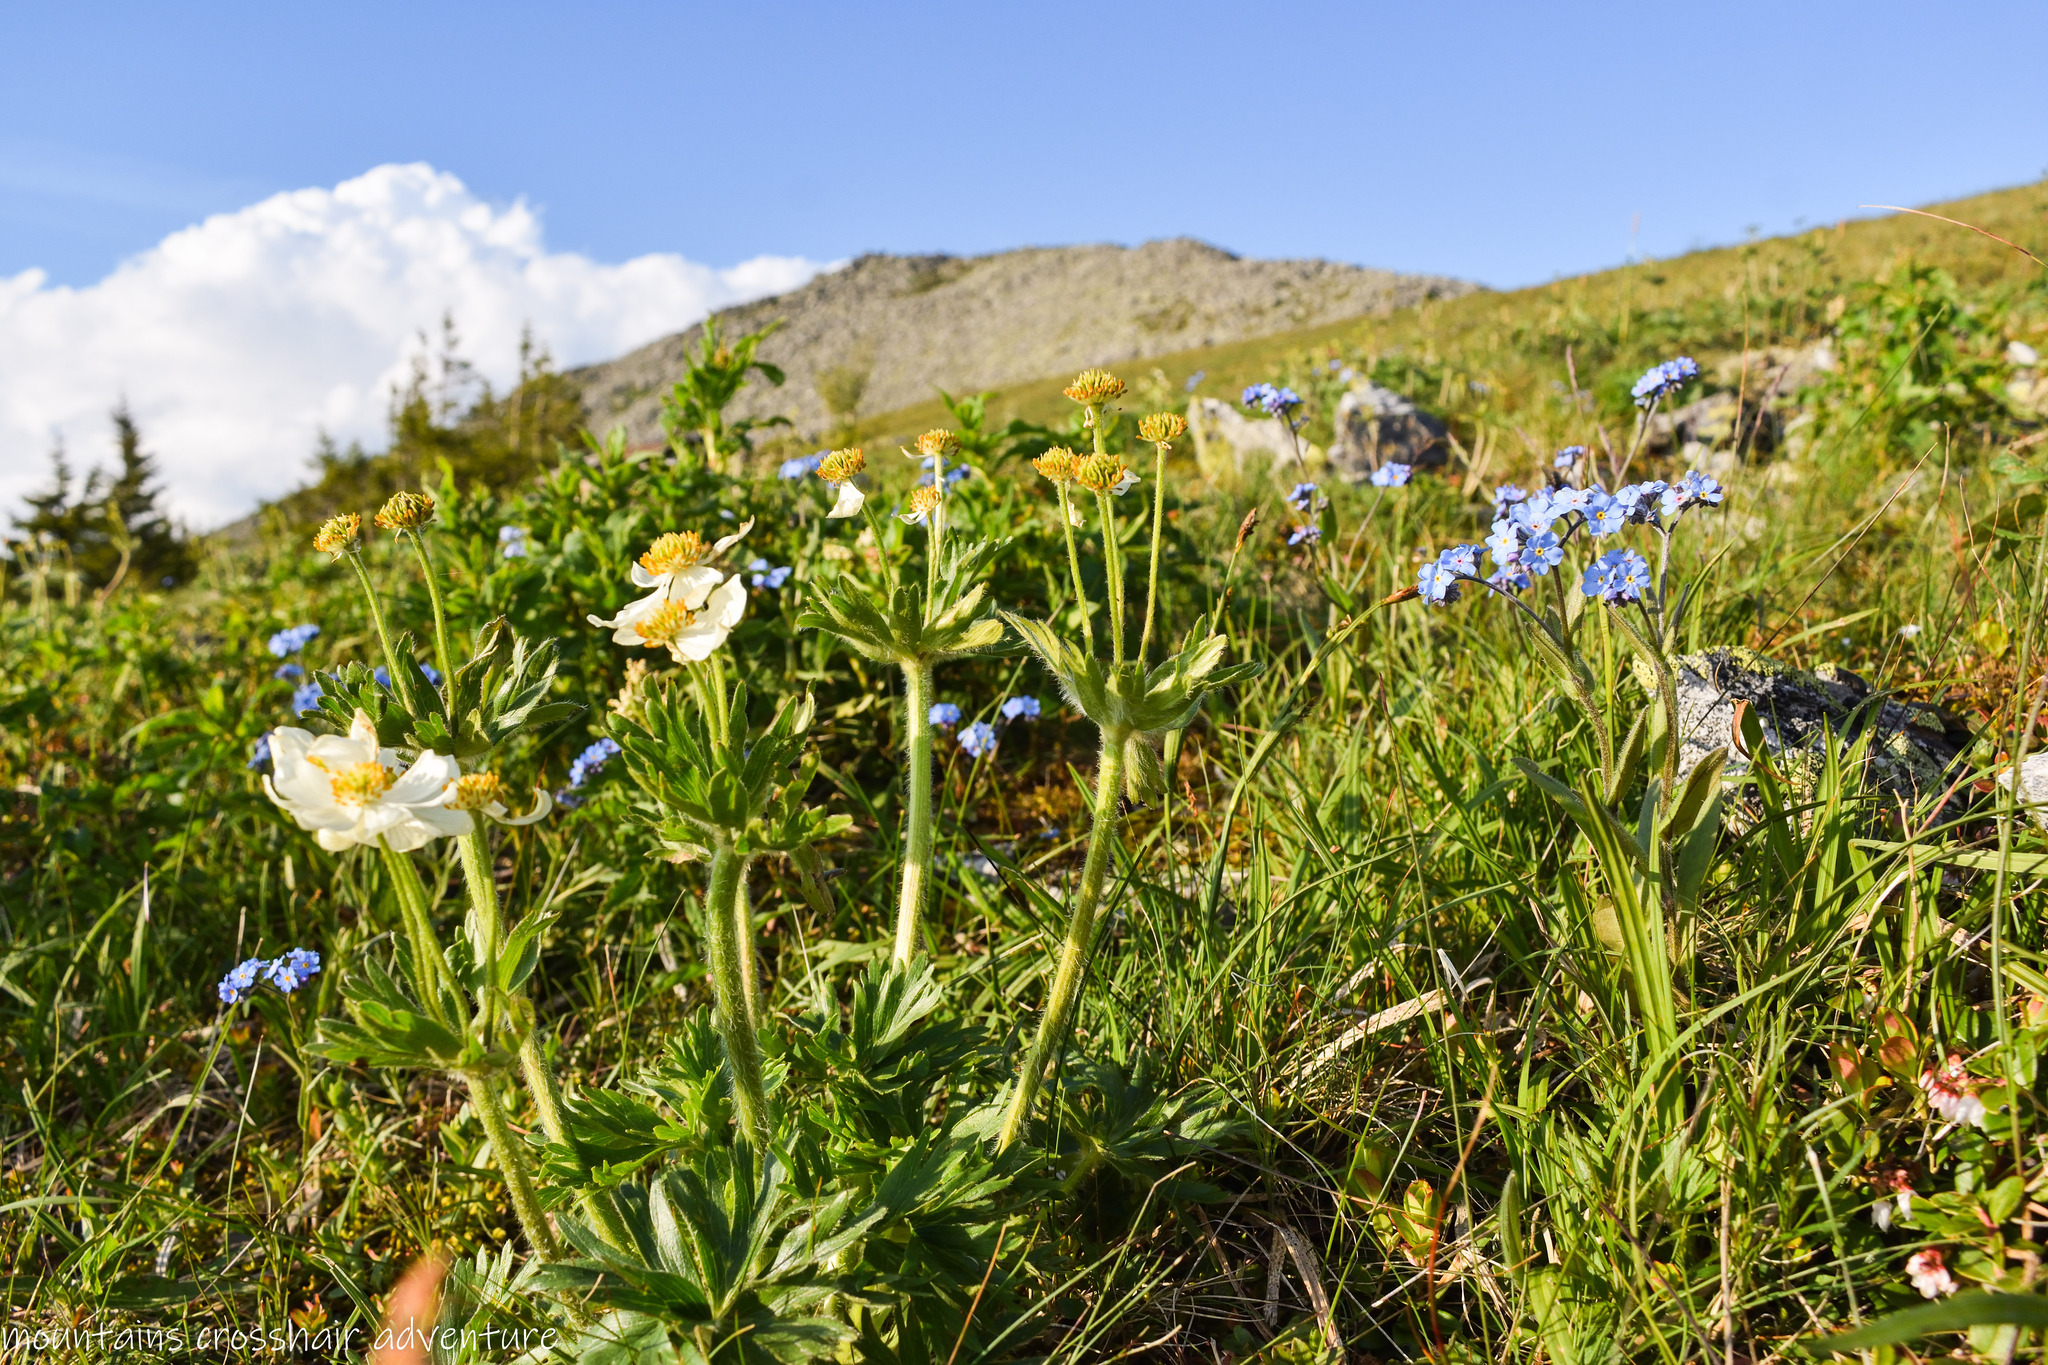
(338, 535)
(668, 621)
(1057, 464)
(406, 512)
(675, 550)
(842, 465)
(1099, 473)
(1095, 386)
(474, 791)
(937, 444)
(358, 784)
(925, 500)
(1162, 428)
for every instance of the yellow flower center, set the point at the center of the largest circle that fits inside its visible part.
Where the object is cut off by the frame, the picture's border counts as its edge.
(1161, 427)
(676, 550)
(924, 500)
(940, 442)
(842, 465)
(358, 784)
(406, 512)
(474, 791)
(668, 621)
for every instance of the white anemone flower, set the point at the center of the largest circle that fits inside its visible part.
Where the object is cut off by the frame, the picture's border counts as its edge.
(347, 790)
(690, 634)
(678, 568)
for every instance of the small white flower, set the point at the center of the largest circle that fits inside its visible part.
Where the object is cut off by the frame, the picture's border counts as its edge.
(1952, 1093)
(1929, 1274)
(849, 501)
(689, 634)
(678, 567)
(1908, 632)
(347, 790)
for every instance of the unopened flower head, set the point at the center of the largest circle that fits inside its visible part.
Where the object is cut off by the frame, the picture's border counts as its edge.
(1660, 381)
(291, 640)
(1162, 428)
(338, 535)
(842, 465)
(1099, 473)
(937, 444)
(1057, 464)
(405, 511)
(1392, 474)
(1095, 387)
(923, 502)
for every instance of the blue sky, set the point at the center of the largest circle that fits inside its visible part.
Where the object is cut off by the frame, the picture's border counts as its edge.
(240, 218)
(1504, 143)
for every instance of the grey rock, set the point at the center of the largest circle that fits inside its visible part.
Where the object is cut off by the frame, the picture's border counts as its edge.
(1914, 749)
(908, 326)
(2034, 788)
(1229, 439)
(1376, 426)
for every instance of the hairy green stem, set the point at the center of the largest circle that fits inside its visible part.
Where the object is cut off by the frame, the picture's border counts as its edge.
(749, 960)
(1113, 559)
(917, 841)
(547, 1104)
(512, 1161)
(1158, 517)
(355, 560)
(1073, 961)
(486, 919)
(434, 979)
(442, 654)
(729, 1000)
(1074, 565)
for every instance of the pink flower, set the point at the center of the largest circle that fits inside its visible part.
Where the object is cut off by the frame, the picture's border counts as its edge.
(1952, 1093)
(1894, 1189)
(1929, 1275)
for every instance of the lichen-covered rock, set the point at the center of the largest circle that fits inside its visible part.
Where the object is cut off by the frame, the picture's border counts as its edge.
(1376, 426)
(1913, 751)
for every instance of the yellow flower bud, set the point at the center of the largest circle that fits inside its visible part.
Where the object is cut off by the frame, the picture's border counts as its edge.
(1056, 464)
(1160, 428)
(338, 535)
(842, 465)
(406, 512)
(937, 444)
(1094, 387)
(923, 501)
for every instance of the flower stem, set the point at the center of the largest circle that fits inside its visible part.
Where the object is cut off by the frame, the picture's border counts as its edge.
(547, 1103)
(486, 920)
(917, 842)
(1158, 517)
(749, 961)
(729, 1001)
(1074, 564)
(1073, 961)
(512, 1161)
(433, 978)
(442, 654)
(1113, 559)
(355, 560)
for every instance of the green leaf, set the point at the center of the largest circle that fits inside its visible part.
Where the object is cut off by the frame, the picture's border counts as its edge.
(1973, 1309)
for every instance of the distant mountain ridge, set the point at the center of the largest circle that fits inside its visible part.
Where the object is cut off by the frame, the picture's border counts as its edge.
(895, 328)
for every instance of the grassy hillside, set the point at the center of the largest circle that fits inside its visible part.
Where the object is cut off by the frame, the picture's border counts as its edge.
(1402, 975)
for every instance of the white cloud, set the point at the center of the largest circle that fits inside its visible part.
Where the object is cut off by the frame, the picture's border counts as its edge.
(237, 340)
